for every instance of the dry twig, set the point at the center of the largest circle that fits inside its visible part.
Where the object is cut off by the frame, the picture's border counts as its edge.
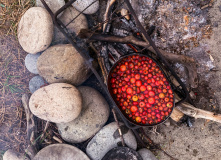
(31, 127)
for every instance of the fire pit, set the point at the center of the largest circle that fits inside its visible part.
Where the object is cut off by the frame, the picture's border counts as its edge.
(180, 90)
(139, 82)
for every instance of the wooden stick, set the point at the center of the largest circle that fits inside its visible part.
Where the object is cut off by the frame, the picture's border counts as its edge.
(31, 128)
(176, 115)
(101, 63)
(192, 111)
(57, 139)
(107, 16)
(118, 126)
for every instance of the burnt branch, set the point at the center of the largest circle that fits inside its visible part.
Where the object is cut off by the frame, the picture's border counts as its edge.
(101, 64)
(131, 39)
(187, 61)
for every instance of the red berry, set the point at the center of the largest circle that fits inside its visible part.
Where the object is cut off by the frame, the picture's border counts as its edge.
(137, 76)
(138, 83)
(161, 95)
(169, 104)
(123, 68)
(142, 104)
(132, 80)
(142, 88)
(135, 98)
(149, 88)
(133, 109)
(151, 100)
(115, 91)
(129, 90)
(131, 65)
(138, 119)
(151, 93)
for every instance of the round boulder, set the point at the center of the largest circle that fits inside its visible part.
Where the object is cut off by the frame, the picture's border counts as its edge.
(58, 103)
(12, 155)
(54, 5)
(62, 64)
(107, 138)
(60, 152)
(94, 114)
(35, 30)
(80, 5)
(73, 26)
(31, 62)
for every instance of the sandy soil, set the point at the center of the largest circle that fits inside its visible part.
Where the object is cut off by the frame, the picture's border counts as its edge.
(203, 140)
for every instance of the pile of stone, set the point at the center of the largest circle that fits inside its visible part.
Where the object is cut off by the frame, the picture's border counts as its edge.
(80, 112)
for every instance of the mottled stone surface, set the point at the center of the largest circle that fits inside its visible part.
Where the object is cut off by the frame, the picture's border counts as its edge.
(54, 5)
(73, 26)
(35, 30)
(94, 114)
(12, 155)
(58, 103)
(60, 152)
(62, 63)
(107, 138)
(80, 5)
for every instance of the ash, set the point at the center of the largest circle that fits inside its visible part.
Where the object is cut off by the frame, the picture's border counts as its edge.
(181, 24)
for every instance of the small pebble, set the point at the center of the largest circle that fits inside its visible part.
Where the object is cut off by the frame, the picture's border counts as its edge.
(31, 62)
(35, 83)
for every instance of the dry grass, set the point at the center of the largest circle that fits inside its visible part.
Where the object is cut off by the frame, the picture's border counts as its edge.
(13, 82)
(14, 77)
(10, 13)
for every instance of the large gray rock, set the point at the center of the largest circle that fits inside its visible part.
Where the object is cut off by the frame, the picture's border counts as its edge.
(31, 62)
(35, 83)
(147, 154)
(80, 5)
(54, 5)
(12, 155)
(58, 103)
(62, 64)
(94, 114)
(73, 26)
(60, 152)
(35, 30)
(107, 138)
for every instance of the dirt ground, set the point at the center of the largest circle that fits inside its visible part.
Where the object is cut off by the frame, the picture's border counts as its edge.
(203, 140)
(200, 142)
